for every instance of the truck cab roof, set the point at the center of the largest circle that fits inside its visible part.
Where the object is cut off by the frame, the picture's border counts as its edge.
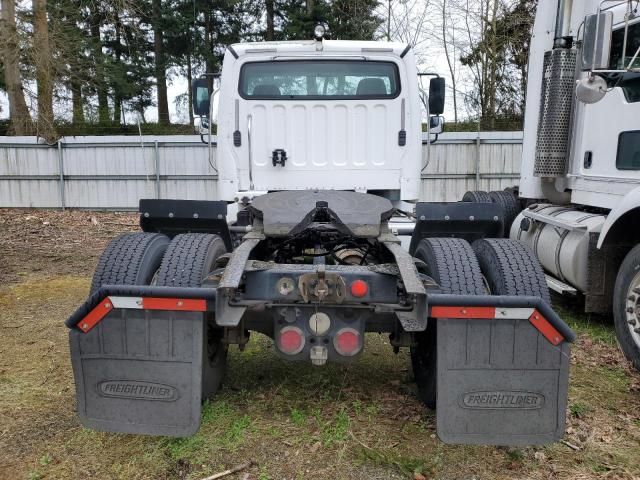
(323, 47)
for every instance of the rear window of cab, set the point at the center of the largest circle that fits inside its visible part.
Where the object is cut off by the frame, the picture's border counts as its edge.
(319, 79)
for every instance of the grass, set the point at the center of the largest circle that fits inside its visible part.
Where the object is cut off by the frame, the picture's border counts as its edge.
(598, 328)
(296, 421)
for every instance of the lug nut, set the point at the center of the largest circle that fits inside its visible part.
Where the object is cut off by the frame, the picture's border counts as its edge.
(631, 298)
(630, 310)
(631, 322)
(637, 330)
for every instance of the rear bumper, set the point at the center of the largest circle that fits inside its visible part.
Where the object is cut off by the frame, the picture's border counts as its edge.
(138, 355)
(122, 297)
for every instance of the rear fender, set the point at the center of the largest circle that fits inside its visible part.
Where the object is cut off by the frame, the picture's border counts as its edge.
(623, 219)
(467, 220)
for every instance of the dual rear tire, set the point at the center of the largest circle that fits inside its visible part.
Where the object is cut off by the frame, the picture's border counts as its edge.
(490, 266)
(184, 261)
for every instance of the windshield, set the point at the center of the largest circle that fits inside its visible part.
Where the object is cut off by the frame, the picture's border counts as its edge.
(319, 79)
(617, 44)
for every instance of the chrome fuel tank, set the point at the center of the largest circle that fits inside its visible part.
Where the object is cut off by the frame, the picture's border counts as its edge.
(559, 236)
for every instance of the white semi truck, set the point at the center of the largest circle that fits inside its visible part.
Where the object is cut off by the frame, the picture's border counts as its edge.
(579, 187)
(319, 155)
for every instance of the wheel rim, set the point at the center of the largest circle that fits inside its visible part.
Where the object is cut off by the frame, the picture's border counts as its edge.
(632, 309)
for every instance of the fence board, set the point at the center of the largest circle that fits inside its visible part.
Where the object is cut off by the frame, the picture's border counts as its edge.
(114, 172)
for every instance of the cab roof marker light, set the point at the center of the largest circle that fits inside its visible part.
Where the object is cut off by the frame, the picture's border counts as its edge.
(378, 49)
(261, 50)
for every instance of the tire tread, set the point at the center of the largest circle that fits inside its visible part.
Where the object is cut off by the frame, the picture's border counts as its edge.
(184, 262)
(517, 268)
(121, 260)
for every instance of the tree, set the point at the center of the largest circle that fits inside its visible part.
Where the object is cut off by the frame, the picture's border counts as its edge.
(44, 71)
(347, 19)
(69, 47)
(21, 123)
(95, 19)
(270, 12)
(499, 55)
(409, 22)
(160, 62)
(450, 56)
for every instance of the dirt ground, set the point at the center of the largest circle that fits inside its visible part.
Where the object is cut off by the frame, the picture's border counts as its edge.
(293, 421)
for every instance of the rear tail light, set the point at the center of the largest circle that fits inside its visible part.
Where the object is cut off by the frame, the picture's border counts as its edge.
(290, 340)
(359, 288)
(347, 342)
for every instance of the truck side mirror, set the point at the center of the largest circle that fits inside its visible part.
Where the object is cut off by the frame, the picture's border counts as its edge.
(596, 46)
(436, 96)
(201, 97)
(436, 125)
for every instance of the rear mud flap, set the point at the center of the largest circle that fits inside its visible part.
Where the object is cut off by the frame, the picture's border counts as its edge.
(140, 372)
(500, 382)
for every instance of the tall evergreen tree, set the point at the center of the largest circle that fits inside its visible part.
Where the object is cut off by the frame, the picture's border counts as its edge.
(42, 57)
(21, 123)
(347, 19)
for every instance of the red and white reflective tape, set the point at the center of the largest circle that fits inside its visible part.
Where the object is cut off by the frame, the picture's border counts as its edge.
(139, 303)
(490, 313)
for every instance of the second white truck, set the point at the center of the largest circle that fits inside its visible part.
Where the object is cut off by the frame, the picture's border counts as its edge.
(579, 190)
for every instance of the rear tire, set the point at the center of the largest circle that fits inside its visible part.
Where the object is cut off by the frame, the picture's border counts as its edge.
(511, 268)
(453, 265)
(509, 205)
(626, 297)
(130, 259)
(187, 262)
(476, 196)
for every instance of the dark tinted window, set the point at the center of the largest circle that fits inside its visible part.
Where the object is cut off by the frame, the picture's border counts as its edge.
(633, 42)
(628, 151)
(323, 79)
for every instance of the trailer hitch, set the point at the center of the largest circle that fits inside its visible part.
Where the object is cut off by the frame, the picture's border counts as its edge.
(321, 286)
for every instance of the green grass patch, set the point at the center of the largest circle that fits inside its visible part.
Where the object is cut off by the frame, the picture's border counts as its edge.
(336, 429)
(298, 417)
(404, 464)
(235, 433)
(579, 409)
(598, 328)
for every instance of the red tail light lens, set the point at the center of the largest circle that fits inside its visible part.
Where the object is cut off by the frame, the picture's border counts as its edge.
(347, 342)
(359, 288)
(290, 340)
